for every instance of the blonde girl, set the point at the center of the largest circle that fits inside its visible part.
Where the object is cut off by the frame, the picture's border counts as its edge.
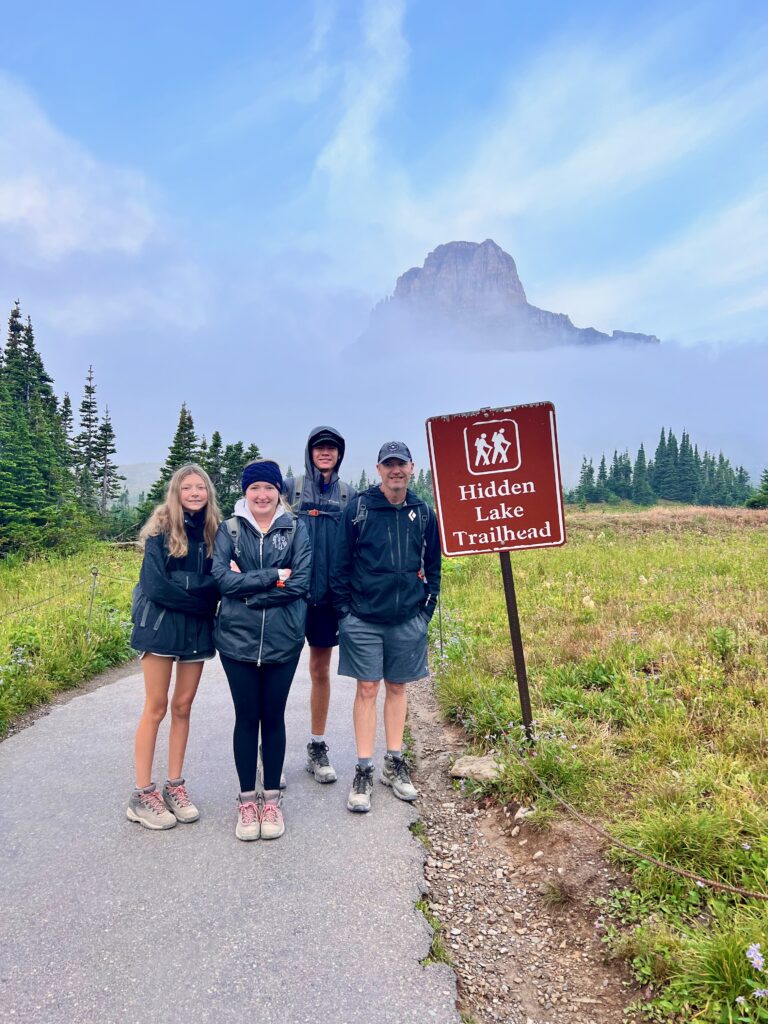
(174, 604)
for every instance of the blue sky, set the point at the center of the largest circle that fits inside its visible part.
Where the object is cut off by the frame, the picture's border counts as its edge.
(205, 204)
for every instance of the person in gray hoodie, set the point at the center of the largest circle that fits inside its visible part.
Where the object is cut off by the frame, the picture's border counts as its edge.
(320, 498)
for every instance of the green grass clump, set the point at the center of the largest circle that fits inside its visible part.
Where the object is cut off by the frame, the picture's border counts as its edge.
(45, 643)
(647, 650)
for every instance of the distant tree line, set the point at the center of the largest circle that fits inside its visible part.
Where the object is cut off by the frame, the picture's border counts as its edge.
(677, 472)
(57, 483)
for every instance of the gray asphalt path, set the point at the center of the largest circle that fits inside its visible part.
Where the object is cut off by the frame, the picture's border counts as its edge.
(104, 921)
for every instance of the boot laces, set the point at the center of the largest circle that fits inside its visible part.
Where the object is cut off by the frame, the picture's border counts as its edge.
(363, 778)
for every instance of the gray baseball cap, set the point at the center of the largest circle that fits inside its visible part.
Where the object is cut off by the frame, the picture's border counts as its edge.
(394, 450)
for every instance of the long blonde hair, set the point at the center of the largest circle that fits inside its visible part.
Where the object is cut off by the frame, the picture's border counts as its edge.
(168, 517)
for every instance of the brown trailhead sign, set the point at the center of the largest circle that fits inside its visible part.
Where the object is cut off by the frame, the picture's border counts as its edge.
(496, 475)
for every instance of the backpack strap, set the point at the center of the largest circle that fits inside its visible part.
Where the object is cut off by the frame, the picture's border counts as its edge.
(233, 528)
(298, 487)
(343, 495)
(361, 514)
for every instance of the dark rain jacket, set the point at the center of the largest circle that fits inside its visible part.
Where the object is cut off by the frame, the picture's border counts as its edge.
(175, 599)
(386, 565)
(258, 620)
(320, 507)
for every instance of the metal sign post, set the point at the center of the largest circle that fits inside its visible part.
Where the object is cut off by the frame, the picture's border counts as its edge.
(517, 644)
(496, 475)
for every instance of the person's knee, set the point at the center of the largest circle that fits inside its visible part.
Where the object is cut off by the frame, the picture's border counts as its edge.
(396, 690)
(181, 709)
(155, 710)
(367, 690)
(320, 664)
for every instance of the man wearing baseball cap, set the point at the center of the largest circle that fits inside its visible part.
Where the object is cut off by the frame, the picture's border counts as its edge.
(385, 580)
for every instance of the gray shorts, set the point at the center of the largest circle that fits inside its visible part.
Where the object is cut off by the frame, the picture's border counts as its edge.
(372, 650)
(182, 659)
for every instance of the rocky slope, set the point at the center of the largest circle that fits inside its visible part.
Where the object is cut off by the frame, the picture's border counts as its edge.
(470, 294)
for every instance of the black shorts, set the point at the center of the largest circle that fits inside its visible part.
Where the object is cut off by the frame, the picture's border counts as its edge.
(322, 628)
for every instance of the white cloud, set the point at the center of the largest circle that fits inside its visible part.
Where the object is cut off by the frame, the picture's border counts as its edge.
(697, 283)
(370, 82)
(55, 198)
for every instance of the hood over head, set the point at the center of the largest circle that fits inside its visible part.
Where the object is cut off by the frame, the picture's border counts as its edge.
(331, 436)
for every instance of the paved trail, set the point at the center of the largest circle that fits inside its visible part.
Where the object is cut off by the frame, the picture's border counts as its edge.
(103, 921)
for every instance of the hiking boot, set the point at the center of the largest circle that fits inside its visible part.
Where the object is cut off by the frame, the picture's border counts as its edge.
(146, 806)
(248, 826)
(260, 773)
(397, 775)
(318, 763)
(178, 803)
(359, 798)
(272, 823)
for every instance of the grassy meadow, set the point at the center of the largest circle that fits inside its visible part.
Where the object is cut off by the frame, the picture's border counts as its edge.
(646, 642)
(45, 645)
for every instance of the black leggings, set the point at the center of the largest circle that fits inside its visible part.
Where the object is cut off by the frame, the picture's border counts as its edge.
(259, 693)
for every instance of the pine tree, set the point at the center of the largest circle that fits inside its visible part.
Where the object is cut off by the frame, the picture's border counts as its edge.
(363, 483)
(83, 446)
(212, 461)
(658, 477)
(687, 481)
(603, 491)
(642, 492)
(107, 477)
(586, 491)
(671, 487)
(760, 498)
(14, 364)
(184, 448)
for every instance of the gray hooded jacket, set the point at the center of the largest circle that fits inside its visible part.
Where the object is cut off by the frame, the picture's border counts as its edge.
(320, 506)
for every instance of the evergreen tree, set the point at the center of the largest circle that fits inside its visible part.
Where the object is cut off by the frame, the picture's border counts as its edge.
(658, 477)
(14, 368)
(642, 492)
(760, 498)
(363, 483)
(84, 444)
(107, 477)
(687, 478)
(603, 491)
(670, 484)
(586, 491)
(213, 461)
(184, 448)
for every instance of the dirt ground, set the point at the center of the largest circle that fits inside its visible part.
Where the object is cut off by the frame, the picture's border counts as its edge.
(520, 956)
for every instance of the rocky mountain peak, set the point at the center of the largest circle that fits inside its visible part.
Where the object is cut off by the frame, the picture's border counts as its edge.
(469, 295)
(463, 277)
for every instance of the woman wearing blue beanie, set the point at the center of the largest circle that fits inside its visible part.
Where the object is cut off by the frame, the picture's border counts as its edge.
(261, 563)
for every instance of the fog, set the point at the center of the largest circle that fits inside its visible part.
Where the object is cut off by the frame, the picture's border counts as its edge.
(270, 380)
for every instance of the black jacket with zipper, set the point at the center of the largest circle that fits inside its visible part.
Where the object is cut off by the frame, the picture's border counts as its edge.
(175, 600)
(258, 620)
(386, 565)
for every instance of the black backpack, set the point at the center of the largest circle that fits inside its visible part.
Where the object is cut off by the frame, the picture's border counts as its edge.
(298, 487)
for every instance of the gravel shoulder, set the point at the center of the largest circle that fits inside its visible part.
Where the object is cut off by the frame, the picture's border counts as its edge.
(519, 959)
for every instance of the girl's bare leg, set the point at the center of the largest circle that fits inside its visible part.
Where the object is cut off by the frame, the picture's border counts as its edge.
(187, 680)
(157, 679)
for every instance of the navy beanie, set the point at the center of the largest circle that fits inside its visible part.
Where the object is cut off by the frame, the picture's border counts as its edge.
(267, 472)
